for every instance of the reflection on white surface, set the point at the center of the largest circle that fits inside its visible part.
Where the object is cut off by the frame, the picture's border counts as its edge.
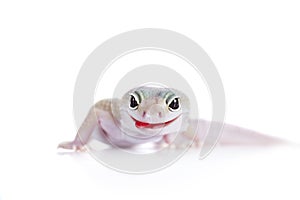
(228, 173)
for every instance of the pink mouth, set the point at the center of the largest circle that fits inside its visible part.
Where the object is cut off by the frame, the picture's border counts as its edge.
(140, 124)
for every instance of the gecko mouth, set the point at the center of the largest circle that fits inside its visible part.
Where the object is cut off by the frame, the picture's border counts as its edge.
(140, 124)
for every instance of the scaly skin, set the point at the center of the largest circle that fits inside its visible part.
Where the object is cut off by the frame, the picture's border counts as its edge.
(150, 114)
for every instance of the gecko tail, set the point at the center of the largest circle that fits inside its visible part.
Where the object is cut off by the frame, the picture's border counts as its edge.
(233, 135)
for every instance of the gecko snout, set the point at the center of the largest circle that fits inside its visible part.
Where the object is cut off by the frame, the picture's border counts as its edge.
(155, 111)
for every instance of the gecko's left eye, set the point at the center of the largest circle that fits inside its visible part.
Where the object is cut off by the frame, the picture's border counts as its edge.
(174, 104)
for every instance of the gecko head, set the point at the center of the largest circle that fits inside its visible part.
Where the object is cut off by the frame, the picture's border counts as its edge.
(153, 111)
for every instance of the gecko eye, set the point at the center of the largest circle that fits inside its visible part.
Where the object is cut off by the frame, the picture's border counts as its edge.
(133, 102)
(174, 105)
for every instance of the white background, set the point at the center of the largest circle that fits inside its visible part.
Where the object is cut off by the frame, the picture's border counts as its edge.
(255, 46)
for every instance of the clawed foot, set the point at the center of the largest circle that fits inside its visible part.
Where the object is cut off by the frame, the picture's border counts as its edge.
(76, 146)
(180, 143)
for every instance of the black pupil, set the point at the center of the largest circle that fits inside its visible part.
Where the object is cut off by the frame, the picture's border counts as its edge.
(133, 102)
(174, 104)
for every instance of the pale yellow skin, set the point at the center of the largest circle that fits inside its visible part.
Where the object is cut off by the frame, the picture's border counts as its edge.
(115, 123)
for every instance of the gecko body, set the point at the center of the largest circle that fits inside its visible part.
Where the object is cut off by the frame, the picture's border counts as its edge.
(152, 115)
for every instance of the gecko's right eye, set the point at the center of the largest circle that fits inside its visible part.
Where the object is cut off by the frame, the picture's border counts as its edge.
(133, 103)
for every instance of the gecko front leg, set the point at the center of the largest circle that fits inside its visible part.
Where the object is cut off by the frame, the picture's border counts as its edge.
(84, 132)
(86, 129)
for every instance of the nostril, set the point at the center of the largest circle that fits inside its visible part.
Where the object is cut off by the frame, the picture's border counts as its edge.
(144, 114)
(160, 114)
